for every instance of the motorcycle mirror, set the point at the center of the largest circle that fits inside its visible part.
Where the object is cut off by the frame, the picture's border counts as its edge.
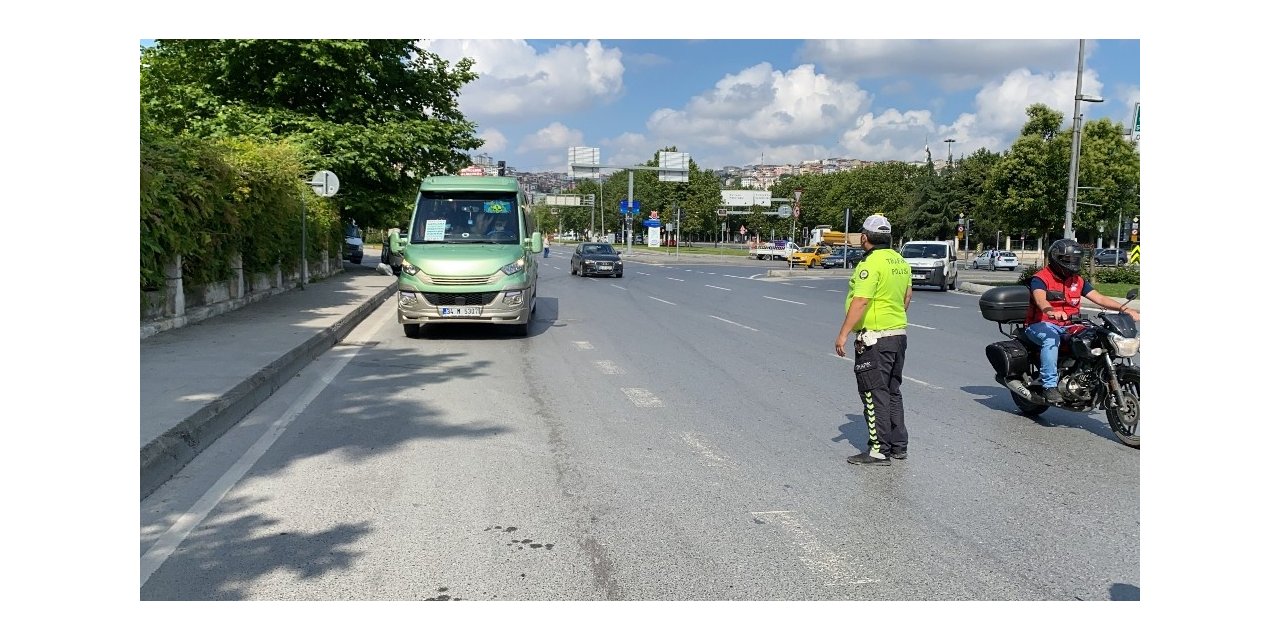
(1133, 293)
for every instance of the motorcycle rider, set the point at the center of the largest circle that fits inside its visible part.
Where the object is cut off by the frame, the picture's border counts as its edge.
(1047, 320)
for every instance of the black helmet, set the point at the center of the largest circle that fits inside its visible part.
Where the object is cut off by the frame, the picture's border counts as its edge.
(1065, 257)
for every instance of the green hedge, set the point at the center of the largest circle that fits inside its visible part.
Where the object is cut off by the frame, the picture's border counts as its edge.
(204, 200)
(1123, 274)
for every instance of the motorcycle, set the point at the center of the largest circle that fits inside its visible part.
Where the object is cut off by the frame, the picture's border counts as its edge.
(1095, 361)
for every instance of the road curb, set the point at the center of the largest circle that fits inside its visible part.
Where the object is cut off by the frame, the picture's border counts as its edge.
(163, 457)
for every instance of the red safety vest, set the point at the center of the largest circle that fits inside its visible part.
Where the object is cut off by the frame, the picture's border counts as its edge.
(1072, 288)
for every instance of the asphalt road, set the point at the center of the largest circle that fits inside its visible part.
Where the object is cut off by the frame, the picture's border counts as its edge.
(676, 434)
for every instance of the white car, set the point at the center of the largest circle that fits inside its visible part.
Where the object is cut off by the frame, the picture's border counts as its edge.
(994, 260)
(982, 260)
(1004, 260)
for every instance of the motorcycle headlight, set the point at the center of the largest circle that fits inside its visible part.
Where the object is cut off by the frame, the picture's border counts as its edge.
(408, 268)
(514, 267)
(1125, 347)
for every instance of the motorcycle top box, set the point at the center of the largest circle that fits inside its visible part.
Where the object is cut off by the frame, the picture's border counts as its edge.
(1005, 304)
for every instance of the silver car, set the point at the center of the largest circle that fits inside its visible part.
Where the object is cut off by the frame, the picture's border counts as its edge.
(1004, 260)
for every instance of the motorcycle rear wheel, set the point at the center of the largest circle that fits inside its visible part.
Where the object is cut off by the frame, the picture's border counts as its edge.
(1027, 407)
(1124, 418)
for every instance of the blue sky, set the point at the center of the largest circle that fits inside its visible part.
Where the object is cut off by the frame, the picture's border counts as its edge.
(736, 101)
(727, 102)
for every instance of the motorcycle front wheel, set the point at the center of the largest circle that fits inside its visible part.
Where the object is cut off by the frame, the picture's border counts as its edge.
(1123, 417)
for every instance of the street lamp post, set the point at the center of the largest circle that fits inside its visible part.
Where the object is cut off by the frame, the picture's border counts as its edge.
(795, 214)
(949, 141)
(1067, 230)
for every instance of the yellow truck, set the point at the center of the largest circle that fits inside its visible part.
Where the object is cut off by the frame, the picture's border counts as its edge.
(824, 234)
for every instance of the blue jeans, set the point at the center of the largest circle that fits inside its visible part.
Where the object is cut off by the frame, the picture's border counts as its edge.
(1049, 337)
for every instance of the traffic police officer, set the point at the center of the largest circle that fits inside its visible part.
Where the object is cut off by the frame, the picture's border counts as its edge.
(876, 307)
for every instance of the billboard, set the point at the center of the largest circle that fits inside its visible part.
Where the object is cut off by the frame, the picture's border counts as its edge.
(745, 198)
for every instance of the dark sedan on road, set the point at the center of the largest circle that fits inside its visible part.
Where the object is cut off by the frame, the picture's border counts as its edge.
(837, 257)
(595, 259)
(1110, 257)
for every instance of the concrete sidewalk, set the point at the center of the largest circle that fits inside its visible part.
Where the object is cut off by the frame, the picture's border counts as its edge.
(200, 380)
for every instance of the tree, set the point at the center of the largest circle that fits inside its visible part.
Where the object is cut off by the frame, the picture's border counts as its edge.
(1027, 187)
(379, 113)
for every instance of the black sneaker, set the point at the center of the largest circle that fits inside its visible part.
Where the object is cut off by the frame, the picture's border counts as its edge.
(898, 455)
(1053, 396)
(867, 458)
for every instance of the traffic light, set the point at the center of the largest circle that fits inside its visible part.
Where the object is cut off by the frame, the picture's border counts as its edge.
(502, 167)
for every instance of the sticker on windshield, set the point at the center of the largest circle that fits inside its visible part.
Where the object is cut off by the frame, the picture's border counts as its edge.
(434, 231)
(497, 206)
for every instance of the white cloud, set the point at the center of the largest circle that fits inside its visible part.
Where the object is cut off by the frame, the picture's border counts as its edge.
(516, 82)
(552, 136)
(761, 107)
(954, 64)
(494, 141)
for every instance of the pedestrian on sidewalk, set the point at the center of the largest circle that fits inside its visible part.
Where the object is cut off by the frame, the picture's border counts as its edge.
(876, 308)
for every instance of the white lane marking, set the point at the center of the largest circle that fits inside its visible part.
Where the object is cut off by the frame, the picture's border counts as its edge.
(712, 458)
(920, 326)
(782, 300)
(661, 300)
(834, 291)
(608, 367)
(676, 279)
(642, 273)
(169, 541)
(944, 306)
(820, 559)
(738, 277)
(715, 287)
(642, 397)
(807, 286)
(921, 382)
(712, 274)
(617, 287)
(733, 323)
(688, 270)
(583, 346)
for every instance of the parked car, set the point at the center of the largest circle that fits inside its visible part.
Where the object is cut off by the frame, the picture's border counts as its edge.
(982, 260)
(1110, 257)
(353, 247)
(1004, 260)
(837, 257)
(595, 258)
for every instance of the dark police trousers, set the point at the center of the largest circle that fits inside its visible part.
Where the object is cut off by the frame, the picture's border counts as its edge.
(879, 372)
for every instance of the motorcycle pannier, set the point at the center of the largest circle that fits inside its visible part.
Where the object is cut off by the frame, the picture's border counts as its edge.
(1005, 304)
(1008, 358)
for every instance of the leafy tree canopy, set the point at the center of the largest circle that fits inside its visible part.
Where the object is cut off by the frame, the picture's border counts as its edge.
(378, 113)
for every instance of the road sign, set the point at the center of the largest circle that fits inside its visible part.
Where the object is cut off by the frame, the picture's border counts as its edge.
(629, 207)
(722, 213)
(742, 230)
(650, 222)
(1134, 254)
(784, 210)
(324, 183)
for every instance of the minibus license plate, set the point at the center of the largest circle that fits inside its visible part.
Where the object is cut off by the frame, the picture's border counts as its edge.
(459, 311)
